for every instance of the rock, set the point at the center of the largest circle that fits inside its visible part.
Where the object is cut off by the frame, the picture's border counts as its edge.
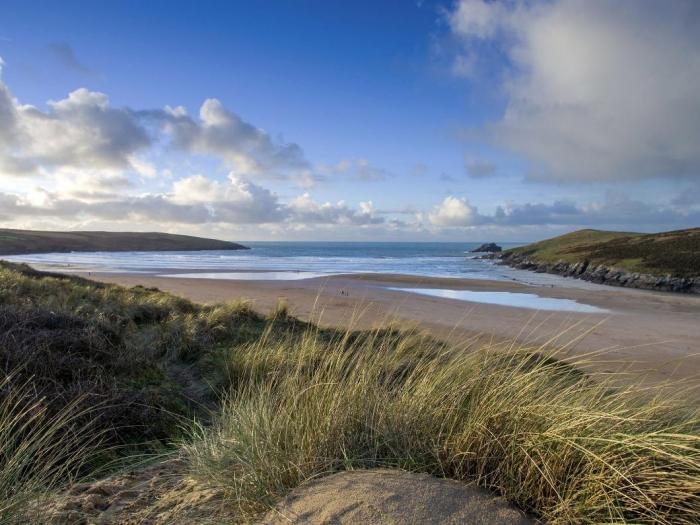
(489, 247)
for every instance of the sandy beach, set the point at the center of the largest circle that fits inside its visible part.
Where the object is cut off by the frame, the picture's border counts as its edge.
(655, 335)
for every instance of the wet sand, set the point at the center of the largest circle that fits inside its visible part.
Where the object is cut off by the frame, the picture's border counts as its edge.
(650, 334)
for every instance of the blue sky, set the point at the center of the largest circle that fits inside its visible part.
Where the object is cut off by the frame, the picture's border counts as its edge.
(464, 120)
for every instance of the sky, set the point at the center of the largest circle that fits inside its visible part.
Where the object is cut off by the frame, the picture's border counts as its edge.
(466, 120)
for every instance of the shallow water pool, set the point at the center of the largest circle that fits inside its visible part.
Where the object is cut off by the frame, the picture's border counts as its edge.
(520, 300)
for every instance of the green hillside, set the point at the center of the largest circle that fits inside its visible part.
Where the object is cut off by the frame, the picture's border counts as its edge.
(676, 253)
(14, 242)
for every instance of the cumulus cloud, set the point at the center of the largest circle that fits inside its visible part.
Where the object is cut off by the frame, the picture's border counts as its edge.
(234, 201)
(614, 212)
(89, 153)
(194, 200)
(453, 211)
(595, 90)
(246, 149)
(91, 186)
(83, 131)
(122, 208)
(305, 210)
(80, 131)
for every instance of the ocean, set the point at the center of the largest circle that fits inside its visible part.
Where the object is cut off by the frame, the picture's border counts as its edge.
(298, 260)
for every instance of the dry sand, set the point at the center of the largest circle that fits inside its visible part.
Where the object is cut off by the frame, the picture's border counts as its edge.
(162, 494)
(652, 334)
(392, 497)
(159, 494)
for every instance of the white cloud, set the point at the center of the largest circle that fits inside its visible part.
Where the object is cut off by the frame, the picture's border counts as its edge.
(193, 200)
(234, 201)
(200, 205)
(81, 131)
(246, 149)
(304, 209)
(83, 154)
(595, 90)
(477, 18)
(90, 185)
(143, 167)
(615, 211)
(453, 211)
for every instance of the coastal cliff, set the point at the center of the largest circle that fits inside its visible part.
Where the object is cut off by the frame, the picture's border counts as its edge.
(602, 274)
(668, 261)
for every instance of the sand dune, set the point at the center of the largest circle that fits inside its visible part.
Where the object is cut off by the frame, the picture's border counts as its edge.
(392, 497)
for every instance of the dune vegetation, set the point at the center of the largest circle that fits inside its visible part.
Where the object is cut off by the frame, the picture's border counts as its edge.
(95, 375)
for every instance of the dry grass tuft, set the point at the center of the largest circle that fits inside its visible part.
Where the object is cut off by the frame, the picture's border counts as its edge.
(39, 450)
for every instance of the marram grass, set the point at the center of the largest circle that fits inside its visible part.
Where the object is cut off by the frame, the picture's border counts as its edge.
(301, 404)
(565, 447)
(39, 451)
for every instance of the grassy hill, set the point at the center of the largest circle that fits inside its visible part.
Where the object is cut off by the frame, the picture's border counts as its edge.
(675, 253)
(15, 242)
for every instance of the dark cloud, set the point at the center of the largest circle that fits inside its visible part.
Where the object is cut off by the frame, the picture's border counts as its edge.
(65, 54)
(595, 90)
(616, 211)
(688, 198)
(479, 168)
(359, 169)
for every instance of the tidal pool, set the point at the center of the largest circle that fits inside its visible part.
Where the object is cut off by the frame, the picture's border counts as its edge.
(520, 300)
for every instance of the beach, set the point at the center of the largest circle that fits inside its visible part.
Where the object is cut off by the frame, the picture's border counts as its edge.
(651, 335)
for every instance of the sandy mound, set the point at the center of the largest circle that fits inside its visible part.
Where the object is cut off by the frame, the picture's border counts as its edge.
(392, 497)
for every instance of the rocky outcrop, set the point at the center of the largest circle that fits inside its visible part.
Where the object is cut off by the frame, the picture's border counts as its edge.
(489, 247)
(602, 274)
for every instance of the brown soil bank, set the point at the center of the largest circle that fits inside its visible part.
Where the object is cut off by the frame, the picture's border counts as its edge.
(390, 497)
(16, 242)
(668, 261)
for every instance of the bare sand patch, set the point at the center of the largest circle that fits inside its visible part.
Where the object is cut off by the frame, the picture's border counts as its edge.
(392, 497)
